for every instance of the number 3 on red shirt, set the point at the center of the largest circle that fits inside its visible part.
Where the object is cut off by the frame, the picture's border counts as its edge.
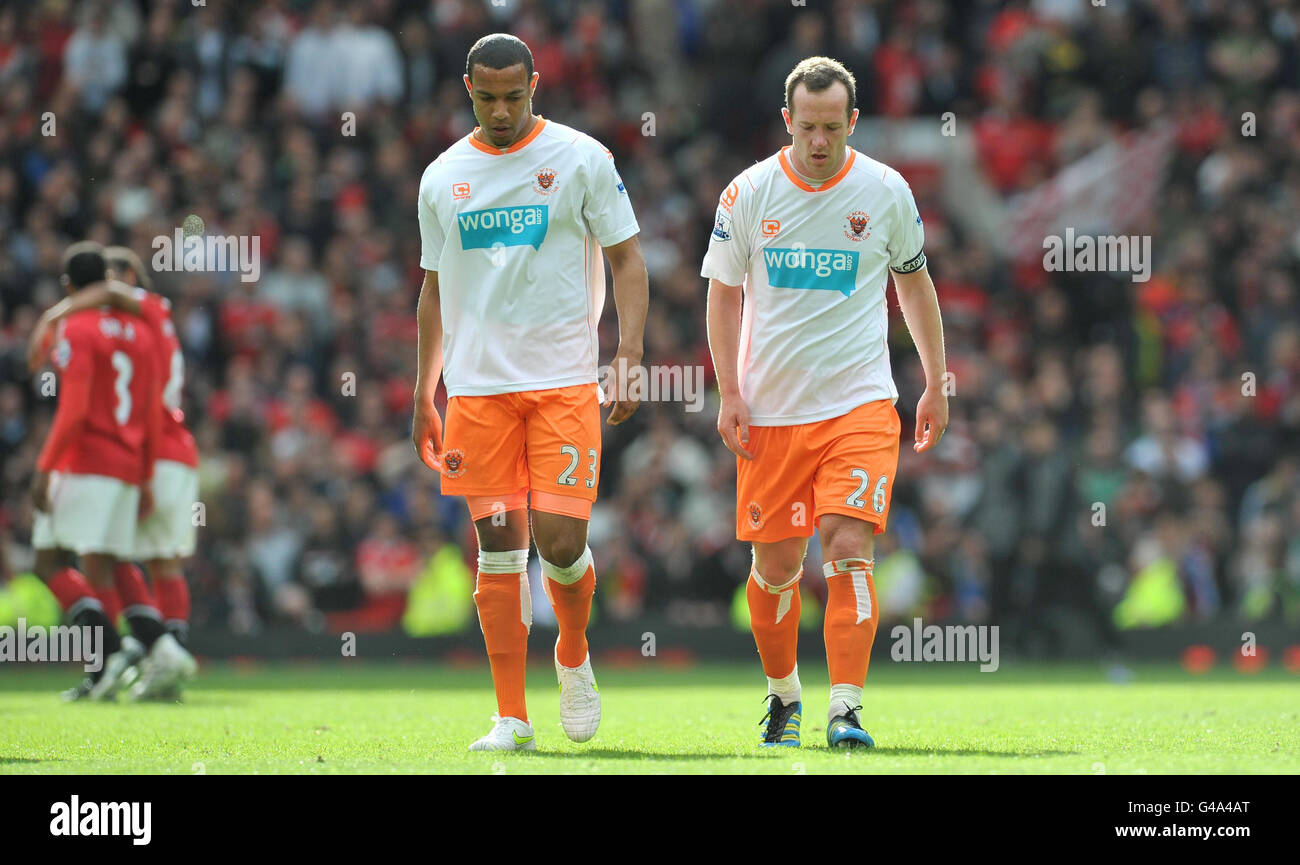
(122, 387)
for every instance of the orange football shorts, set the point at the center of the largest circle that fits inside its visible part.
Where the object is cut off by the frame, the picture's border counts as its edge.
(500, 450)
(842, 465)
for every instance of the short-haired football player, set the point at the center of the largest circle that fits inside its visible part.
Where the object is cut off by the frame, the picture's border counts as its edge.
(516, 220)
(806, 241)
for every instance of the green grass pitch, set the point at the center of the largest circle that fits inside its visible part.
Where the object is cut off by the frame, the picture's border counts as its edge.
(390, 718)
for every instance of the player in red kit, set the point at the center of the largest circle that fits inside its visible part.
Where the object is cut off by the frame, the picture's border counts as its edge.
(167, 535)
(92, 478)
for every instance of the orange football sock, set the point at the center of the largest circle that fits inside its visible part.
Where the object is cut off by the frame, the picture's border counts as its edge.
(572, 605)
(774, 619)
(505, 615)
(851, 618)
(570, 590)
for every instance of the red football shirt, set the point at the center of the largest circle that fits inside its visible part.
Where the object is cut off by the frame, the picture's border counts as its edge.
(177, 443)
(109, 419)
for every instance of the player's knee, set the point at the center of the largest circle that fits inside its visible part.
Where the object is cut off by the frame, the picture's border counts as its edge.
(49, 561)
(846, 550)
(560, 539)
(776, 578)
(852, 541)
(778, 566)
(165, 569)
(777, 582)
(562, 551)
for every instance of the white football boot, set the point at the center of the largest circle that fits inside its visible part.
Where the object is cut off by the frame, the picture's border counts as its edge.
(167, 666)
(579, 700)
(509, 734)
(119, 671)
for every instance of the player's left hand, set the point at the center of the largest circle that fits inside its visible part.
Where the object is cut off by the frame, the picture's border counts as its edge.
(41, 491)
(931, 419)
(615, 387)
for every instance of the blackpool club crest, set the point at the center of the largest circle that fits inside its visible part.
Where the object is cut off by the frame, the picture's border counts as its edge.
(544, 181)
(755, 516)
(453, 463)
(858, 231)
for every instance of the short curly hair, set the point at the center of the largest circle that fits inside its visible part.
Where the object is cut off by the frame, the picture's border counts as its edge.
(817, 74)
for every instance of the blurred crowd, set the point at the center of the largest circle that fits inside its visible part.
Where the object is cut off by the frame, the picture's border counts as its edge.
(1121, 453)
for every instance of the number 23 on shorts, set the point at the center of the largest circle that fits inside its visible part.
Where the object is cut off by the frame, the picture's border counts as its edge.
(567, 477)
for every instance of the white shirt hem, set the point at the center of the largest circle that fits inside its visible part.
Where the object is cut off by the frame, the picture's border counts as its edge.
(517, 387)
(825, 414)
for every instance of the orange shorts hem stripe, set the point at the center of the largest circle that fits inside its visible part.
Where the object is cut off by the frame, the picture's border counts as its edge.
(844, 510)
(565, 506)
(481, 506)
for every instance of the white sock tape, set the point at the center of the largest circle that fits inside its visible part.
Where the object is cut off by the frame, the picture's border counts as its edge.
(570, 575)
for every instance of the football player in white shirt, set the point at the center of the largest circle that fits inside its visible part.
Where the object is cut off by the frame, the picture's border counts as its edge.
(513, 220)
(805, 239)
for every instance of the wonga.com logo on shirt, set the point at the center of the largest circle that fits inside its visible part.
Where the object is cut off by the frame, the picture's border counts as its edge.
(823, 269)
(507, 226)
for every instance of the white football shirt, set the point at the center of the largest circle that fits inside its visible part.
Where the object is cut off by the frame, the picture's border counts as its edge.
(815, 321)
(515, 236)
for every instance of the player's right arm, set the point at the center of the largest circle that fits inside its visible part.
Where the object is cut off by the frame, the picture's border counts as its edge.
(725, 266)
(112, 293)
(74, 358)
(426, 426)
(426, 430)
(724, 305)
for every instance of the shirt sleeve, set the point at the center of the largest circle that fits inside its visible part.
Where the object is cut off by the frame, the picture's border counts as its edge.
(73, 357)
(727, 258)
(154, 308)
(606, 206)
(907, 243)
(432, 236)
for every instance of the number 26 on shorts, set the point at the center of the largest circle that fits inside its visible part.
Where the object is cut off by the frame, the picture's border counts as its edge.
(877, 494)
